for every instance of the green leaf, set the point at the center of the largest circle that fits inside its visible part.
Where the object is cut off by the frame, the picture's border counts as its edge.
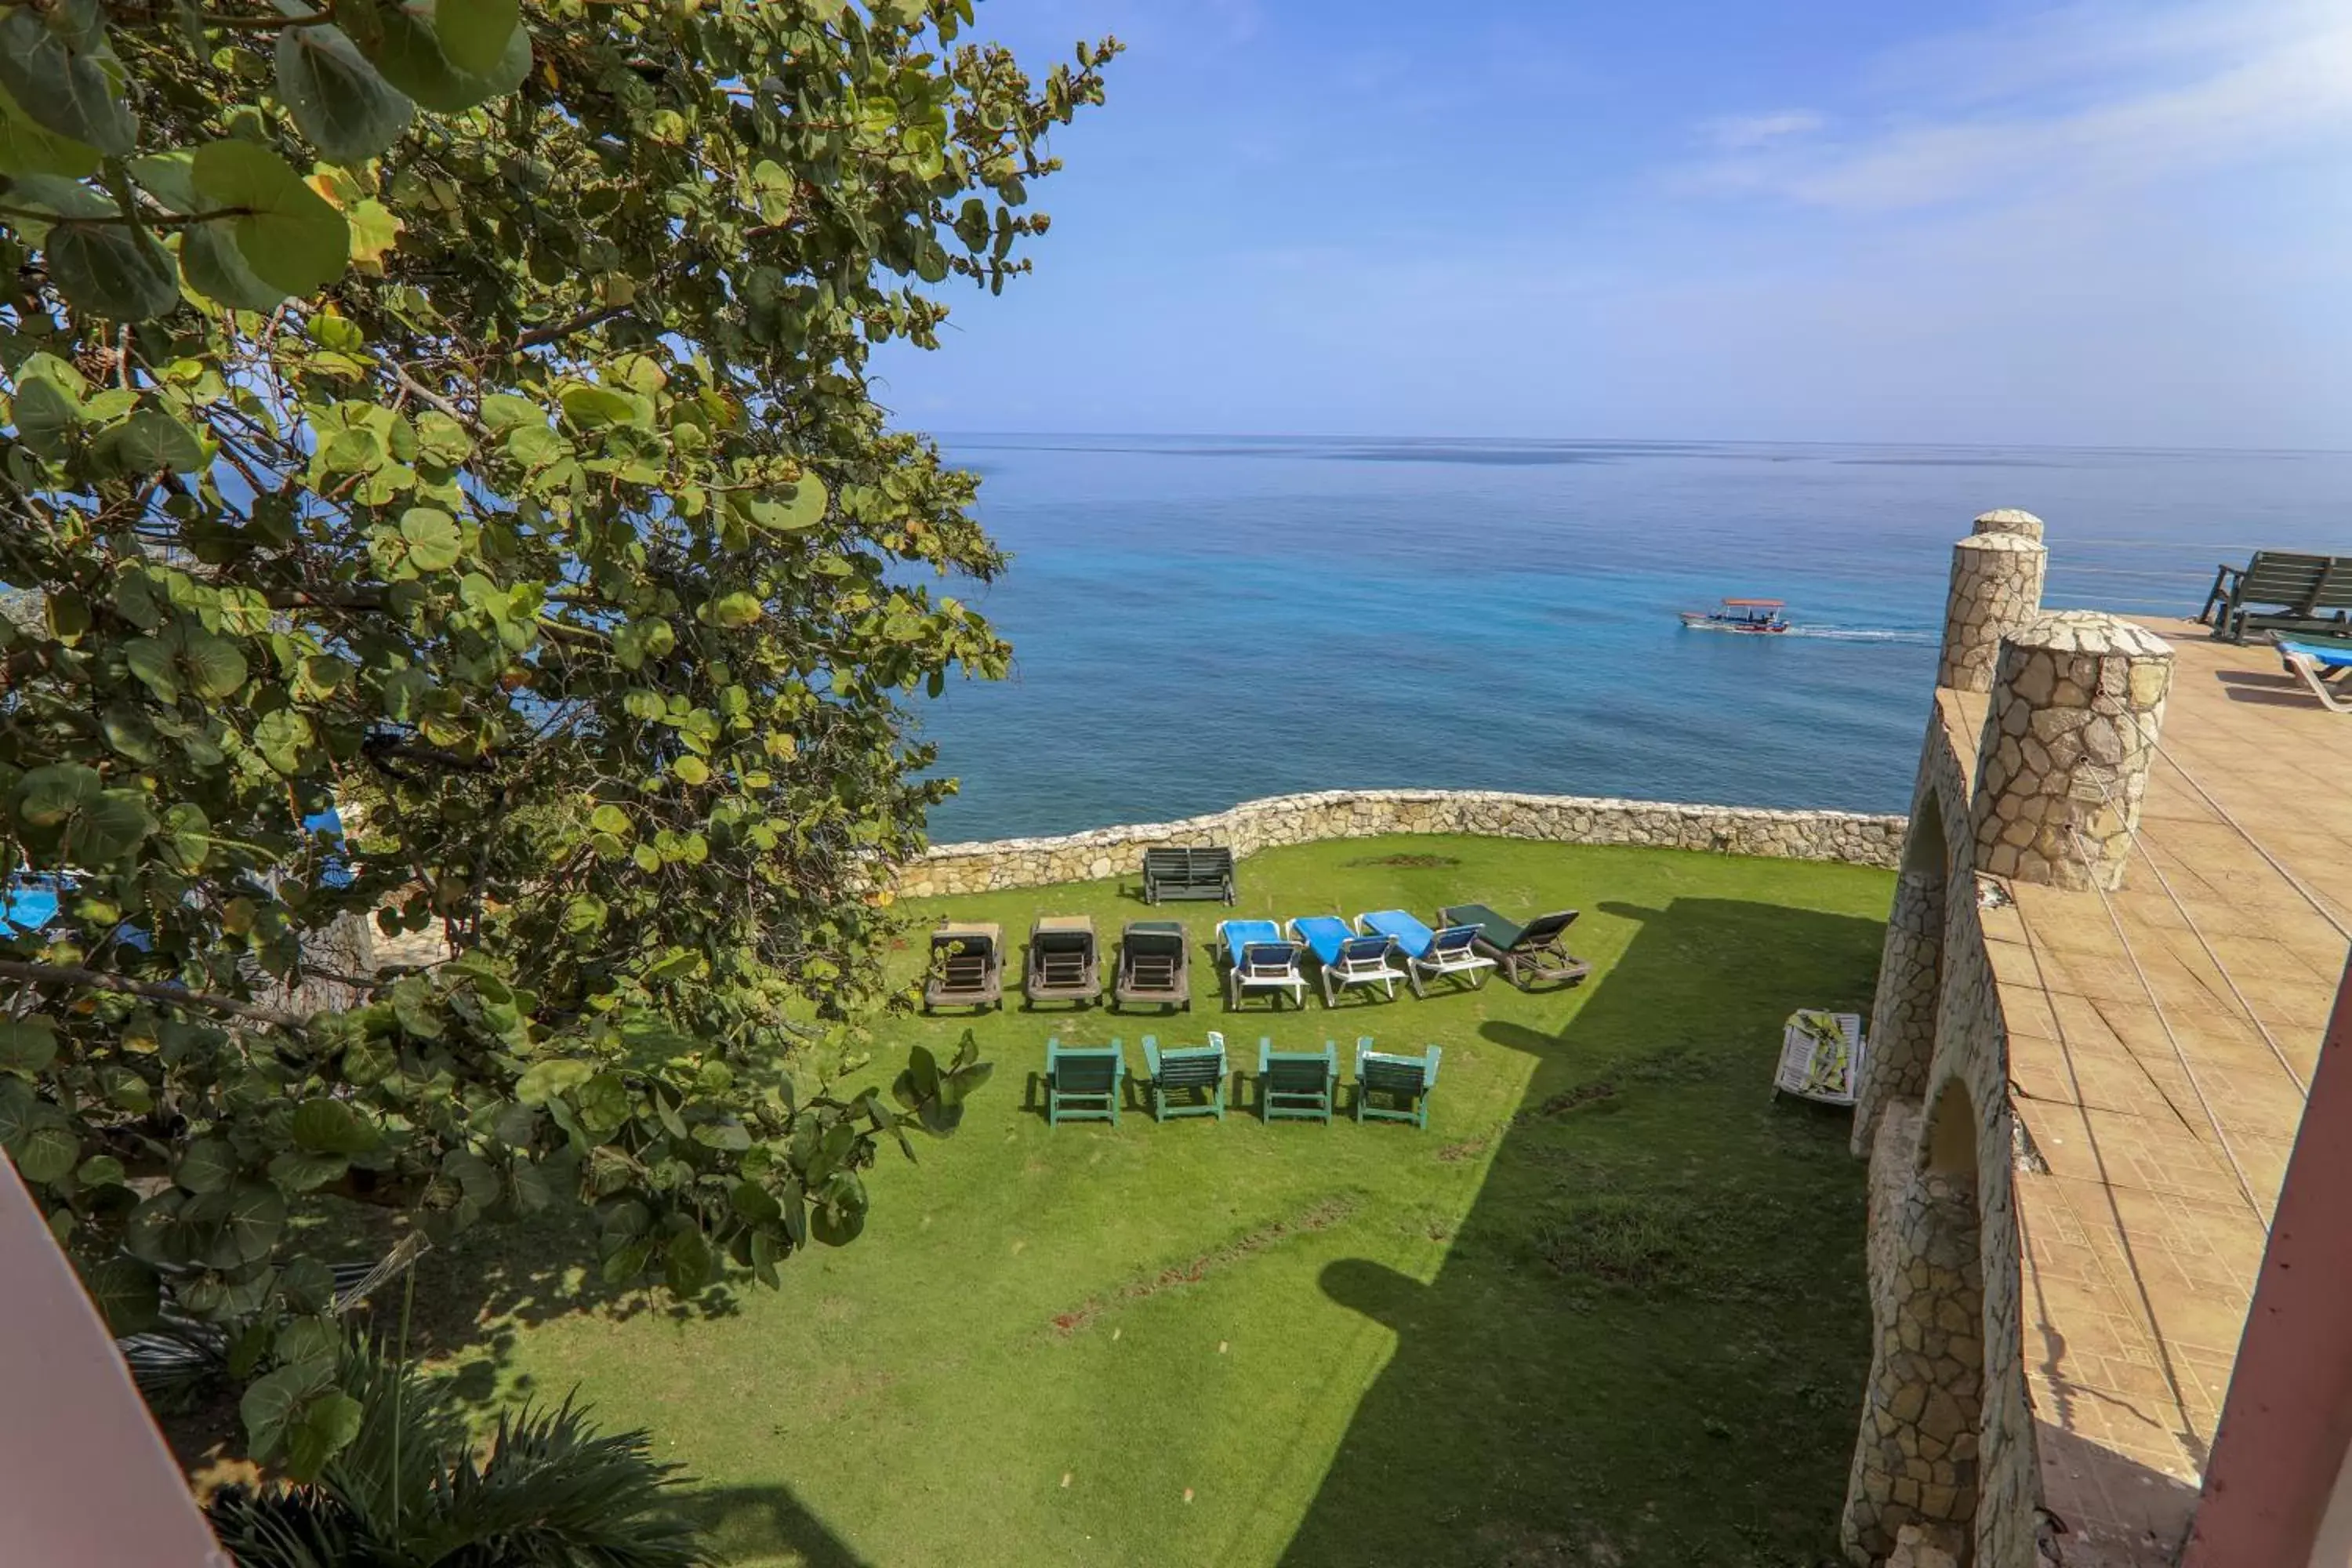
(46, 415)
(736, 611)
(127, 1292)
(206, 1165)
(62, 89)
(27, 149)
(408, 51)
(475, 33)
(28, 1045)
(691, 769)
(47, 797)
(217, 269)
(331, 1127)
(273, 1404)
(112, 270)
(186, 837)
(288, 235)
(46, 1152)
(592, 407)
(338, 100)
(542, 1082)
(283, 738)
(110, 827)
(612, 819)
(686, 1263)
(151, 441)
(305, 1172)
(435, 542)
(165, 177)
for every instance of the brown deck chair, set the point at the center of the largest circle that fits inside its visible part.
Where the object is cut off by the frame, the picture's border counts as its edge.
(1155, 966)
(1064, 965)
(1526, 953)
(966, 965)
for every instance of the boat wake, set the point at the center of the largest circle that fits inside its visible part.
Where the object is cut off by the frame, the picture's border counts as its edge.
(1863, 633)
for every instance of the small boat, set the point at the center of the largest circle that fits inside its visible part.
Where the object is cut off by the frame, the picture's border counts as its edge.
(1752, 615)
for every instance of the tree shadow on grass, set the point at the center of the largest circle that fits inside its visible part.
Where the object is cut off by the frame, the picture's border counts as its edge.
(765, 1521)
(1647, 1342)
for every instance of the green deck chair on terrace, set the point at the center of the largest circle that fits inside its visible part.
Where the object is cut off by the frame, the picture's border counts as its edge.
(1083, 1082)
(1404, 1081)
(1296, 1086)
(1180, 1069)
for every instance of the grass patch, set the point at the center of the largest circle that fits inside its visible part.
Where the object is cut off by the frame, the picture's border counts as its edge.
(1609, 1308)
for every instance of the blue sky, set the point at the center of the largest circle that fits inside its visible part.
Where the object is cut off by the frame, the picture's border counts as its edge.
(2108, 224)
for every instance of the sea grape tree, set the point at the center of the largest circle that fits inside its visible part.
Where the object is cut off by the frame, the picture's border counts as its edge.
(454, 417)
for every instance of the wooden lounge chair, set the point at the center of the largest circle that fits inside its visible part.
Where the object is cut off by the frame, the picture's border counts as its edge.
(1404, 1081)
(1083, 1082)
(1453, 952)
(2279, 590)
(1188, 874)
(1155, 966)
(1064, 965)
(1526, 953)
(1258, 958)
(966, 965)
(2316, 665)
(1181, 1070)
(1345, 958)
(1296, 1086)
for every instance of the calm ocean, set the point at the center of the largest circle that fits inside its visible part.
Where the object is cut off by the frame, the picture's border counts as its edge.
(1197, 622)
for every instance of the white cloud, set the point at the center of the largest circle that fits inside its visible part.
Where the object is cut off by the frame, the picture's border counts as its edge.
(2086, 97)
(1746, 133)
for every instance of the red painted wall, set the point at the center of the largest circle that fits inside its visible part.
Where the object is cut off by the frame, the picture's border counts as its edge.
(2288, 1419)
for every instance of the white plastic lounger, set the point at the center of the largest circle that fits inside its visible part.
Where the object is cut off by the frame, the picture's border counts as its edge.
(1452, 951)
(1259, 958)
(1821, 1057)
(1345, 958)
(2316, 667)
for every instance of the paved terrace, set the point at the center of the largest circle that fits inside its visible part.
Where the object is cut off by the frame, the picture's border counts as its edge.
(2161, 1041)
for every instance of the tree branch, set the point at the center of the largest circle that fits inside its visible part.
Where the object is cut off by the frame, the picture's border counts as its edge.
(97, 980)
(538, 337)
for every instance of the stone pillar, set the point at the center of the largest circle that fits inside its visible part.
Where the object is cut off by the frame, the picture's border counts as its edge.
(2077, 702)
(1996, 588)
(2009, 520)
(1915, 1461)
(1903, 1014)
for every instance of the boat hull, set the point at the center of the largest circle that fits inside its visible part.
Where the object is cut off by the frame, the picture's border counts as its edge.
(1699, 623)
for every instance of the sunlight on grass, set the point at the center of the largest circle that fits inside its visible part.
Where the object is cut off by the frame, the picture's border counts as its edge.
(1610, 1302)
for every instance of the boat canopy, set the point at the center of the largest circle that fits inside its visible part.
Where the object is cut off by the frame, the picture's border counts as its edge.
(1758, 604)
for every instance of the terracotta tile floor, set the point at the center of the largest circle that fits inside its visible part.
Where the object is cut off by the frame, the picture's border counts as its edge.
(2165, 1120)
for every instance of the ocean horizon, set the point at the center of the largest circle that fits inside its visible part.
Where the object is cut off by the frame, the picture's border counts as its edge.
(1198, 621)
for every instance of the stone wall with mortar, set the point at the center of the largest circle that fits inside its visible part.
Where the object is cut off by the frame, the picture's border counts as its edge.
(952, 870)
(2046, 677)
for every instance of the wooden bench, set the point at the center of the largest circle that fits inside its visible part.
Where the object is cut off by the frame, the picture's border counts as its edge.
(1405, 1081)
(1083, 1082)
(1295, 1085)
(1183, 1069)
(2279, 590)
(1188, 874)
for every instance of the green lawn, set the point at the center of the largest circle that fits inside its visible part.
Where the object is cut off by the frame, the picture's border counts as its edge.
(1608, 1309)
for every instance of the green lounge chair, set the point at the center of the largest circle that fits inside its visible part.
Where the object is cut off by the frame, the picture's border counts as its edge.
(1188, 874)
(1296, 1086)
(2279, 590)
(1180, 1069)
(1526, 953)
(1083, 1082)
(1405, 1081)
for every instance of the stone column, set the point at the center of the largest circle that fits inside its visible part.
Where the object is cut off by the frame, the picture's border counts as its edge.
(1916, 1462)
(2077, 702)
(1996, 588)
(2009, 520)
(1903, 1013)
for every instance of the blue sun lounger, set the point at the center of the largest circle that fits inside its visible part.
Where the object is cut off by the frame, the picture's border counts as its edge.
(1346, 957)
(1258, 958)
(1452, 951)
(2316, 665)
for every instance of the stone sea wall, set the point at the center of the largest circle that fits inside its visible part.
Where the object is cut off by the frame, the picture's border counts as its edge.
(959, 868)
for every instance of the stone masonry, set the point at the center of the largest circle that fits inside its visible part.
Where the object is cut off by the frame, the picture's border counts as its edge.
(2009, 520)
(950, 869)
(2069, 740)
(1996, 586)
(1946, 1466)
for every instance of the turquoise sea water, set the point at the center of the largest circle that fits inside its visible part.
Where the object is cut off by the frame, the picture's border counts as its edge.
(1198, 622)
